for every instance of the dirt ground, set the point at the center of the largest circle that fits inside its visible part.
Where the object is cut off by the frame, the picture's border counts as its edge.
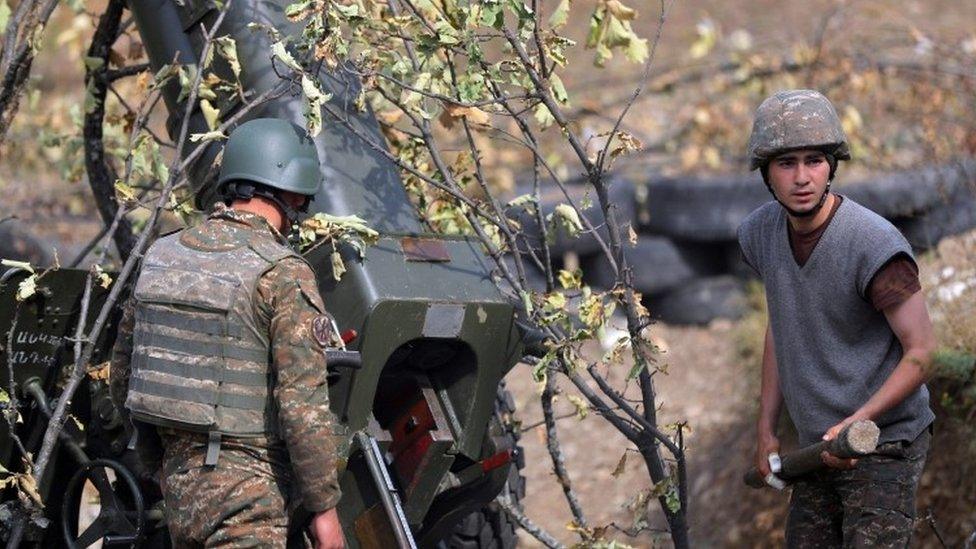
(710, 385)
(702, 386)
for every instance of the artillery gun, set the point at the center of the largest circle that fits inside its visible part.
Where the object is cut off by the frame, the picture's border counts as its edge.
(422, 378)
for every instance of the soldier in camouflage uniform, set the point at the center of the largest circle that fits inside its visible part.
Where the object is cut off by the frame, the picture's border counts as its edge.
(849, 337)
(220, 359)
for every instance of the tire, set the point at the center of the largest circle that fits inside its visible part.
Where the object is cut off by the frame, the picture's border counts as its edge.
(953, 215)
(700, 301)
(699, 210)
(711, 209)
(658, 264)
(621, 195)
(910, 193)
(490, 527)
(19, 243)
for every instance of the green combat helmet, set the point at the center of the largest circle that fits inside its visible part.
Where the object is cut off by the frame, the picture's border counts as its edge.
(796, 119)
(274, 153)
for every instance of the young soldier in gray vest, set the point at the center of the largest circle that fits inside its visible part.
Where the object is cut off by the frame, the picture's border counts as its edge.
(849, 336)
(220, 358)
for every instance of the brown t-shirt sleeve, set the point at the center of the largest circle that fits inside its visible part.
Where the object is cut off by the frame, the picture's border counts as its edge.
(895, 281)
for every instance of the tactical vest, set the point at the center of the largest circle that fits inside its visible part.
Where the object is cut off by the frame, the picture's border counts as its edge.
(200, 358)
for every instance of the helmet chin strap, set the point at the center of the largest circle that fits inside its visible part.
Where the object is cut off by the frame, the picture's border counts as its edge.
(292, 215)
(809, 213)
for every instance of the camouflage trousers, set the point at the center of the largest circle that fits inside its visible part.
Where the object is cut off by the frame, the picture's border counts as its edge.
(872, 505)
(245, 500)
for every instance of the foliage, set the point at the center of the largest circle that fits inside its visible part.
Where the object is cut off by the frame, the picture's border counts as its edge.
(336, 231)
(459, 90)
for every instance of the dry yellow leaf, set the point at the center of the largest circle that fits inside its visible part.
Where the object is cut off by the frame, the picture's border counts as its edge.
(621, 466)
(473, 114)
(100, 371)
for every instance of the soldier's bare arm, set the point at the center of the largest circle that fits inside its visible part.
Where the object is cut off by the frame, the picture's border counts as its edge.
(770, 404)
(910, 322)
(307, 425)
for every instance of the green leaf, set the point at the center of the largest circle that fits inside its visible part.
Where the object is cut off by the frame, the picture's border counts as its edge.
(210, 114)
(492, 14)
(338, 267)
(560, 15)
(14, 264)
(104, 280)
(526, 302)
(350, 11)
(27, 288)
(603, 54)
(526, 201)
(543, 116)
(556, 301)
(208, 136)
(566, 217)
(163, 75)
(91, 102)
(93, 63)
(278, 50)
(123, 192)
(188, 75)
(635, 370)
(595, 31)
(313, 99)
(539, 373)
(570, 280)
(412, 98)
(227, 48)
(558, 89)
(707, 38)
(522, 11)
(297, 11)
(582, 408)
(618, 33)
(637, 50)
(446, 34)
(4, 14)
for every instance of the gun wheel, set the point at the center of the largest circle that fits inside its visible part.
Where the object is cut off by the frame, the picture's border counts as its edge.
(121, 517)
(490, 527)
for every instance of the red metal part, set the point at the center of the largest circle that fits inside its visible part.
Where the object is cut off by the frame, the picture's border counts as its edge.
(411, 433)
(424, 249)
(348, 336)
(498, 460)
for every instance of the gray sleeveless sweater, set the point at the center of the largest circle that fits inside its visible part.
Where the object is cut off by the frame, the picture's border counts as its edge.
(833, 349)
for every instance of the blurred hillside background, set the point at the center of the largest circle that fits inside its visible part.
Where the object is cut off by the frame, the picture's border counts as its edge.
(903, 76)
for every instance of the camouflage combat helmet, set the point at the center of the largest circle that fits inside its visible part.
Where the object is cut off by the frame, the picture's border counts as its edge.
(274, 153)
(796, 119)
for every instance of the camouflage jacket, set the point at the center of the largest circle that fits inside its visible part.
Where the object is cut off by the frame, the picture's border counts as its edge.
(287, 301)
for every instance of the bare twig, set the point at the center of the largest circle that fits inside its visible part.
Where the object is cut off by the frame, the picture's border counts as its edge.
(125, 72)
(21, 33)
(101, 176)
(13, 407)
(556, 454)
(83, 355)
(535, 530)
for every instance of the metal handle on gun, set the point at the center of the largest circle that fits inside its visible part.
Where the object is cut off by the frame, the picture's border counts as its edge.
(388, 492)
